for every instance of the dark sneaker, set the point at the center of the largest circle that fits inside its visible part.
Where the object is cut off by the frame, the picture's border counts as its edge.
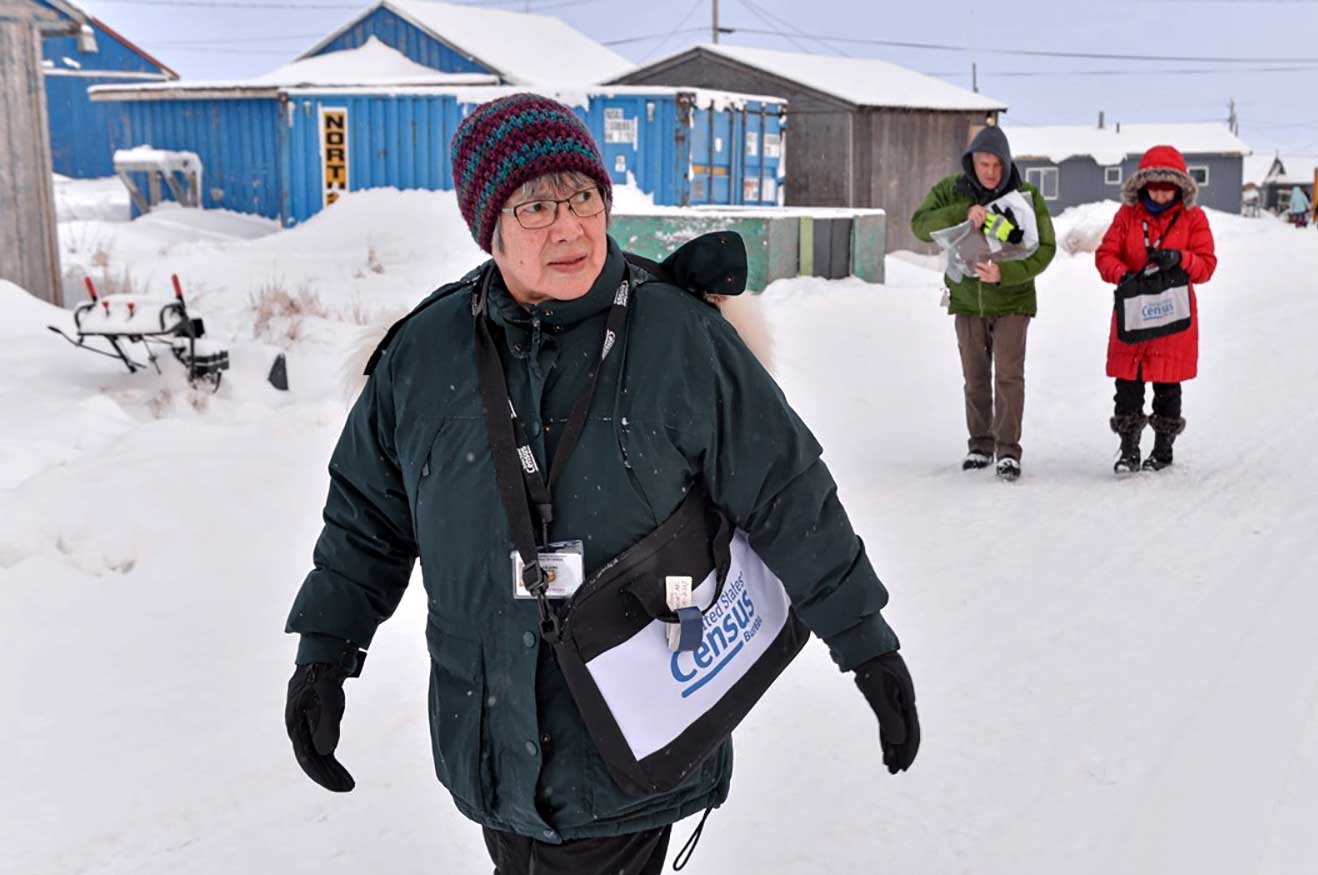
(1009, 469)
(975, 461)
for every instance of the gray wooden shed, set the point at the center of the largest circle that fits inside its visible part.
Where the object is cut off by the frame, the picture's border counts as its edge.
(860, 132)
(29, 246)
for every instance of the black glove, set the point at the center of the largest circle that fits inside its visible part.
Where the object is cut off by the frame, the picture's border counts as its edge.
(1165, 259)
(1017, 233)
(887, 687)
(312, 714)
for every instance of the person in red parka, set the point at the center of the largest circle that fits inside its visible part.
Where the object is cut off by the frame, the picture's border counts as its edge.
(1161, 194)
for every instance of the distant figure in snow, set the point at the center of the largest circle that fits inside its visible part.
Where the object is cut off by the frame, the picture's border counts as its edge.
(993, 308)
(1158, 235)
(1299, 207)
(562, 423)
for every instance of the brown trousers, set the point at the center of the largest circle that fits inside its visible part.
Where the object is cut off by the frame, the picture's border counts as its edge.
(993, 363)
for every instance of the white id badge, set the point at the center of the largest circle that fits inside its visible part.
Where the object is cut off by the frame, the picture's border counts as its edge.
(564, 567)
(678, 595)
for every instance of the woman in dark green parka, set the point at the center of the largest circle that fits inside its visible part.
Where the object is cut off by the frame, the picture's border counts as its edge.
(680, 402)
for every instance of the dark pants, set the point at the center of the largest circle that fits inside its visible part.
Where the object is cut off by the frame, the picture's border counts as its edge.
(637, 853)
(1129, 400)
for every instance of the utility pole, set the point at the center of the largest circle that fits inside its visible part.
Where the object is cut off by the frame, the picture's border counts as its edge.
(974, 77)
(1232, 121)
(715, 5)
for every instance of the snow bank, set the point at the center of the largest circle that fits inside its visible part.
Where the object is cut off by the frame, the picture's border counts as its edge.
(1081, 228)
(105, 199)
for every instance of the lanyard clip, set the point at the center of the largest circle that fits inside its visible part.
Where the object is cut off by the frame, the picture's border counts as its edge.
(533, 578)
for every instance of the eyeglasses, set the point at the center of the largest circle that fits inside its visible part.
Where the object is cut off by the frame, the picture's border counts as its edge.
(542, 213)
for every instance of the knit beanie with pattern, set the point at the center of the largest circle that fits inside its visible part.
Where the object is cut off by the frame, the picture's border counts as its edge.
(508, 142)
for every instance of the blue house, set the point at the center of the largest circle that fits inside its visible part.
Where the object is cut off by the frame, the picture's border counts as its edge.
(80, 130)
(520, 49)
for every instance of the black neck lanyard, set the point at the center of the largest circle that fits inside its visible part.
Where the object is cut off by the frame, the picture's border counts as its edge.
(1157, 244)
(512, 449)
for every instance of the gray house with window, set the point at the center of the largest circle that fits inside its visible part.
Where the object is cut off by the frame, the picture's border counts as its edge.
(1073, 165)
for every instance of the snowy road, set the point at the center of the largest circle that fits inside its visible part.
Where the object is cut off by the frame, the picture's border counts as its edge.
(1112, 676)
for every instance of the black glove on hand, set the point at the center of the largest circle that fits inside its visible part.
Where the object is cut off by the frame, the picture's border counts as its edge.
(312, 714)
(887, 687)
(1165, 259)
(1017, 232)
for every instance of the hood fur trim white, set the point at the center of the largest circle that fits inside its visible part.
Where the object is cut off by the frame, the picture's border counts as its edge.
(1130, 189)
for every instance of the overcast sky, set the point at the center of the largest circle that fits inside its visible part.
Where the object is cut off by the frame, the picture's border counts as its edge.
(1276, 89)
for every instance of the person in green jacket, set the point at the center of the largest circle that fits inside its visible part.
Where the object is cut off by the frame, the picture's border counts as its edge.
(679, 403)
(994, 307)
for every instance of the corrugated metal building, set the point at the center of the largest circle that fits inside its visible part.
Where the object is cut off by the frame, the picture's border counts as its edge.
(1081, 164)
(79, 129)
(518, 48)
(861, 132)
(286, 145)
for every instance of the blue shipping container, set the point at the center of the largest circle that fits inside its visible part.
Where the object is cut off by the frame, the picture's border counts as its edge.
(287, 153)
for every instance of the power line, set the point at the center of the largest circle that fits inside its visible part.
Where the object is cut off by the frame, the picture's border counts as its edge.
(1093, 56)
(650, 36)
(754, 10)
(685, 18)
(1143, 72)
(773, 20)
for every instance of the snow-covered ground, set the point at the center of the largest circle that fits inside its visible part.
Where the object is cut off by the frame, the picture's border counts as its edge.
(1112, 676)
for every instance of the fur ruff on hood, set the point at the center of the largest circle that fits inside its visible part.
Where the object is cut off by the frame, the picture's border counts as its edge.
(1161, 164)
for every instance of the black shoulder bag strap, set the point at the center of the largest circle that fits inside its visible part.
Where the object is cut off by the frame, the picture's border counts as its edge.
(512, 449)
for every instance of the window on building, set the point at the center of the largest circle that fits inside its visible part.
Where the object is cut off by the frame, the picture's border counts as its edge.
(1044, 179)
(1199, 173)
(1112, 175)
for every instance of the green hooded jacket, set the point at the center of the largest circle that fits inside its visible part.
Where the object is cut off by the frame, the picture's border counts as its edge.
(947, 204)
(682, 400)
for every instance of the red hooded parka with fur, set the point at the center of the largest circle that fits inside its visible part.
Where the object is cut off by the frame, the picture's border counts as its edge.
(1174, 358)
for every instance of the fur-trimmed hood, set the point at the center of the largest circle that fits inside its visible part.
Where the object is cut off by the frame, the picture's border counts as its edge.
(1161, 164)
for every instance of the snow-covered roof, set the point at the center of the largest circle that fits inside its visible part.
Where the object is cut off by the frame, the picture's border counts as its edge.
(1256, 168)
(1109, 146)
(372, 63)
(372, 66)
(1294, 170)
(469, 88)
(524, 49)
(861, 81)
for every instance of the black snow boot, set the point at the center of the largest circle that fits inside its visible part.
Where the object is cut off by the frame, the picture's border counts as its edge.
(1165, 430)
(1128, 427)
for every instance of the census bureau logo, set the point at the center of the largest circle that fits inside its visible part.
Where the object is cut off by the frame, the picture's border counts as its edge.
(621, 297)
(729, 626)
(528, 460)
(1158, 310)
